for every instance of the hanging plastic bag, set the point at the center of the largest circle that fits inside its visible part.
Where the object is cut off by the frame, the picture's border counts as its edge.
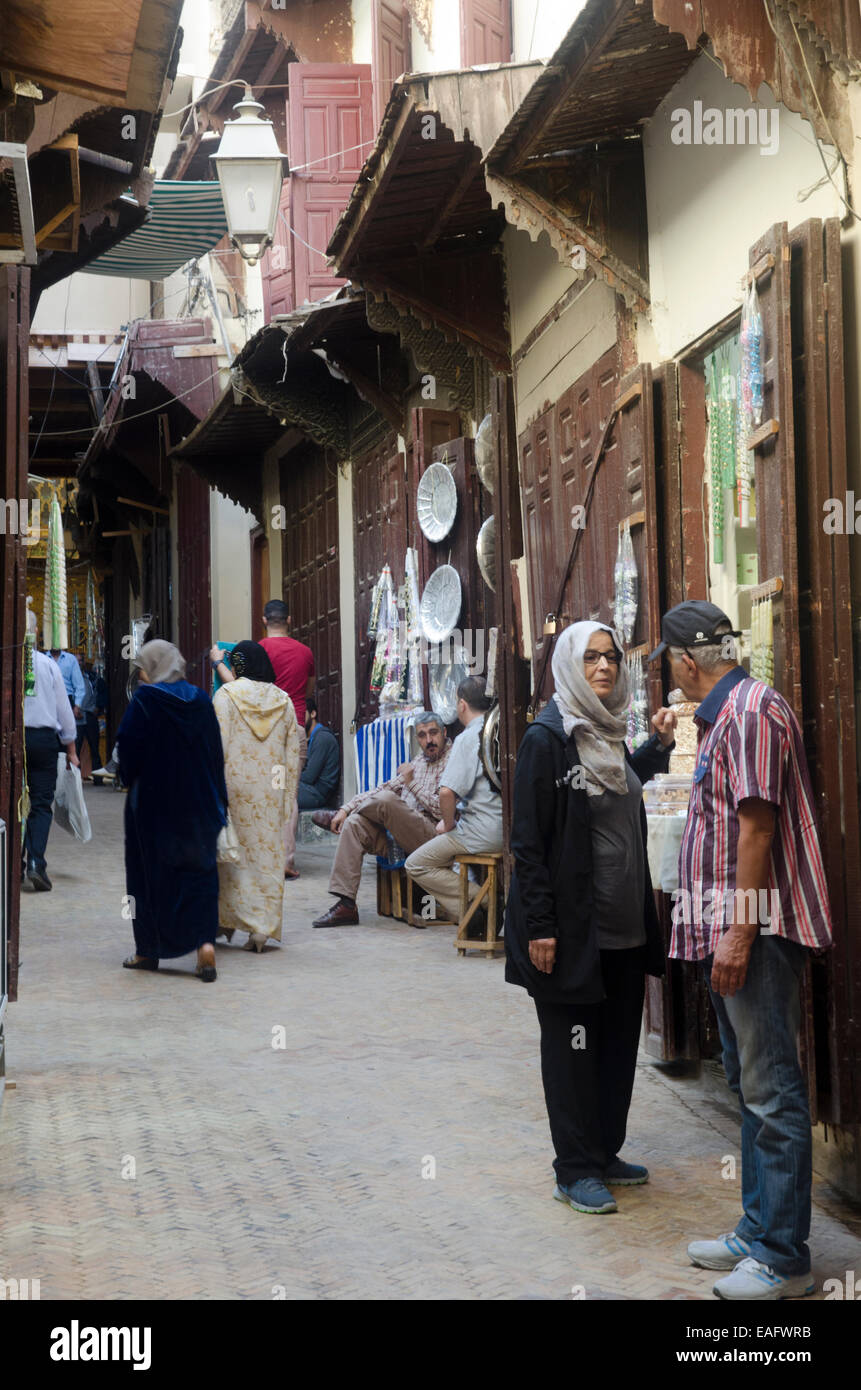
(228, 850)
(70, 809)
(630, 586)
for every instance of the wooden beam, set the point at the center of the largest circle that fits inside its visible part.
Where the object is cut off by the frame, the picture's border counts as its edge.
(469, 168)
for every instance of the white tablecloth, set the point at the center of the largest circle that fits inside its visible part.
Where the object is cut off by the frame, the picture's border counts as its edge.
(665, 838)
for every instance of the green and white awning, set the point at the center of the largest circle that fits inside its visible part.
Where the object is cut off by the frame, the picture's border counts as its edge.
(187, 220)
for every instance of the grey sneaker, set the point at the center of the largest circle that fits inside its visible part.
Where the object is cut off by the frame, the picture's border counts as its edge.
(588, 1195)
(751, 1279)
(724, 1252)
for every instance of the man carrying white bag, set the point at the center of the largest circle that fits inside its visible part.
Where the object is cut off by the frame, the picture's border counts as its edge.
(49, 725)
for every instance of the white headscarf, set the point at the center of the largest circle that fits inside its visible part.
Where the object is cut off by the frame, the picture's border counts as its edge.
(161, 662)
(599, 725)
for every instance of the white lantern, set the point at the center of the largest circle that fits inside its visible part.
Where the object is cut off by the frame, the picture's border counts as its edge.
(250, 171)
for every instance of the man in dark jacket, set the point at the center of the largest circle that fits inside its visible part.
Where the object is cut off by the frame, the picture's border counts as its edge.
(581, 928)
(319, 780)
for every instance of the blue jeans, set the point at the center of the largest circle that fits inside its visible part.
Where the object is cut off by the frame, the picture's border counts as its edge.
(759, 1031)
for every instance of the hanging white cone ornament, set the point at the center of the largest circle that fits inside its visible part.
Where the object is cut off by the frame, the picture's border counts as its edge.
(55, 627)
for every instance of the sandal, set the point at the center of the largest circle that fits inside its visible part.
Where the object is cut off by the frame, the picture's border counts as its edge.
(206, 972)
(256, 942)
(140, 963)
(291, 874)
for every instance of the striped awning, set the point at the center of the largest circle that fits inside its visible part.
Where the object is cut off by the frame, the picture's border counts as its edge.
(187, 220)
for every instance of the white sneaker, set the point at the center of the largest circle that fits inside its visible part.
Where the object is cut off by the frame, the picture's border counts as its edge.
(753, 1280)
(724, 1252)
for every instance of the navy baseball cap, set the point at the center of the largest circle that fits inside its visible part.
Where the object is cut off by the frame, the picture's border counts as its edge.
(692, 624)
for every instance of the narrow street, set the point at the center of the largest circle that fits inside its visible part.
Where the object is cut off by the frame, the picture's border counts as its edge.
(156, 1145)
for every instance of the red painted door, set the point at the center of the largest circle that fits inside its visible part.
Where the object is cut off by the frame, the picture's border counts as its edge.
(331, 132)
(485, 32)
(391, 48)
(279, 295)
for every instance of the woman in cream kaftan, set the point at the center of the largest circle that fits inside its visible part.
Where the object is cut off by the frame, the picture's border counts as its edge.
(261, 764)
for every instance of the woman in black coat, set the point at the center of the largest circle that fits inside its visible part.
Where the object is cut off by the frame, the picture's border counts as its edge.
(581, 929)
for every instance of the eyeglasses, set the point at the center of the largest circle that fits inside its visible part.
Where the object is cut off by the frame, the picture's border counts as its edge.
(591, 658)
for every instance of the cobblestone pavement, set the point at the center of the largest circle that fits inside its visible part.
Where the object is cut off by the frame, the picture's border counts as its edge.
(299, 1171)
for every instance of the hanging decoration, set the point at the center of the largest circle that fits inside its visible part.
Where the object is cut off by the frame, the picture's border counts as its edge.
(91, 614)
(638, 709)
(387, 665)
(751, 382)
(29, 648)
(75, 631)
(762, 640)
(626, 585)
(713, 465)
(55, 626)
(413, 674)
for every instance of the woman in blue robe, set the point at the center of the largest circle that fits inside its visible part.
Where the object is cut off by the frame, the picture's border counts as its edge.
(171, 760)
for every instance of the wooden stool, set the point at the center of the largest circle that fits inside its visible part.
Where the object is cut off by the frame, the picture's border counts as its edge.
(489, 890)
(391, 890)
(416, 919)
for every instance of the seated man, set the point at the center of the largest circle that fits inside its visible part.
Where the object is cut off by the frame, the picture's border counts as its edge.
(319, 780)
(478, 829)
(408, 807)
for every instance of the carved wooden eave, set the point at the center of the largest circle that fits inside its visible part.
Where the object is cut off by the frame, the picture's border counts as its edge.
(442, 355)
(528, 211)
(320, 415)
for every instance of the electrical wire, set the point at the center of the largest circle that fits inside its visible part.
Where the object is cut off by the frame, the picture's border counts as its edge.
(154, 410)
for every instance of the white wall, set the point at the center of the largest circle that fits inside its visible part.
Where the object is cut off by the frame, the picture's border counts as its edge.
(708, 204)
(443, 52)
(346, 565)
(539, 26)
(90, 304)
(586, 328)
(230, 568)
(362, 32)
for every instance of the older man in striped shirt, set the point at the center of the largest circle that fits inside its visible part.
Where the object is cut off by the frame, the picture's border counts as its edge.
(752, 902)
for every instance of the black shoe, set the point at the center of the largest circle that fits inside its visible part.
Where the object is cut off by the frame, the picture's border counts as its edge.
(39, 879)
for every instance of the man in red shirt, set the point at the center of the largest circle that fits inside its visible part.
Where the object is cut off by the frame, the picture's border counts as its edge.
(293, 664)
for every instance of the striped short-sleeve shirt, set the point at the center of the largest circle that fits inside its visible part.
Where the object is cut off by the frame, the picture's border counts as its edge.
(749, 745)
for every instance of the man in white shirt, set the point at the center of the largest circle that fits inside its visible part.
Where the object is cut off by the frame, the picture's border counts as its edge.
(72, 678)
(478, 829)
(49, 726)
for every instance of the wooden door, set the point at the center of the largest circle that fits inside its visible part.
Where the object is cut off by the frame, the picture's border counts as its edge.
(331, 132)
(380, 538)
(485, 32)
(391, 50)
(832, 1032)
(776, 514)
(14, 405)
(311, 572)
(276, 267)
(193, 577)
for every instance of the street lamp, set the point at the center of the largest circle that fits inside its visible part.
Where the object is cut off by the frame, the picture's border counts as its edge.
(250, 171)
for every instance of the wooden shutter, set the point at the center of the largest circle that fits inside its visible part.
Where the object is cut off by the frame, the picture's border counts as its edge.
(391, 50)
(776, 521)
(485, 29)
(311, 570)
(193, 577)
(279, 296)
(330, 124)
(825, 621)
(14, 405)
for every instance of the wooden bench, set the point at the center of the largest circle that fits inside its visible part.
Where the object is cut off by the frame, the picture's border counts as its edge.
(488, 893)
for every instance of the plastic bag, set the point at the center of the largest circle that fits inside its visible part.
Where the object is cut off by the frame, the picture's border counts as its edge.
(228, 849)
(70, 809)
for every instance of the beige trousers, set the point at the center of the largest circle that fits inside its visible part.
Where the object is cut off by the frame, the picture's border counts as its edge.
(364, 832)
(292, 824)
(433, 868)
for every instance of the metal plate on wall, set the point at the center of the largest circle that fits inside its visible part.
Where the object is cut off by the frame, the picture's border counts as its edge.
(440, 605)
(436, 501)
(485, 549)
